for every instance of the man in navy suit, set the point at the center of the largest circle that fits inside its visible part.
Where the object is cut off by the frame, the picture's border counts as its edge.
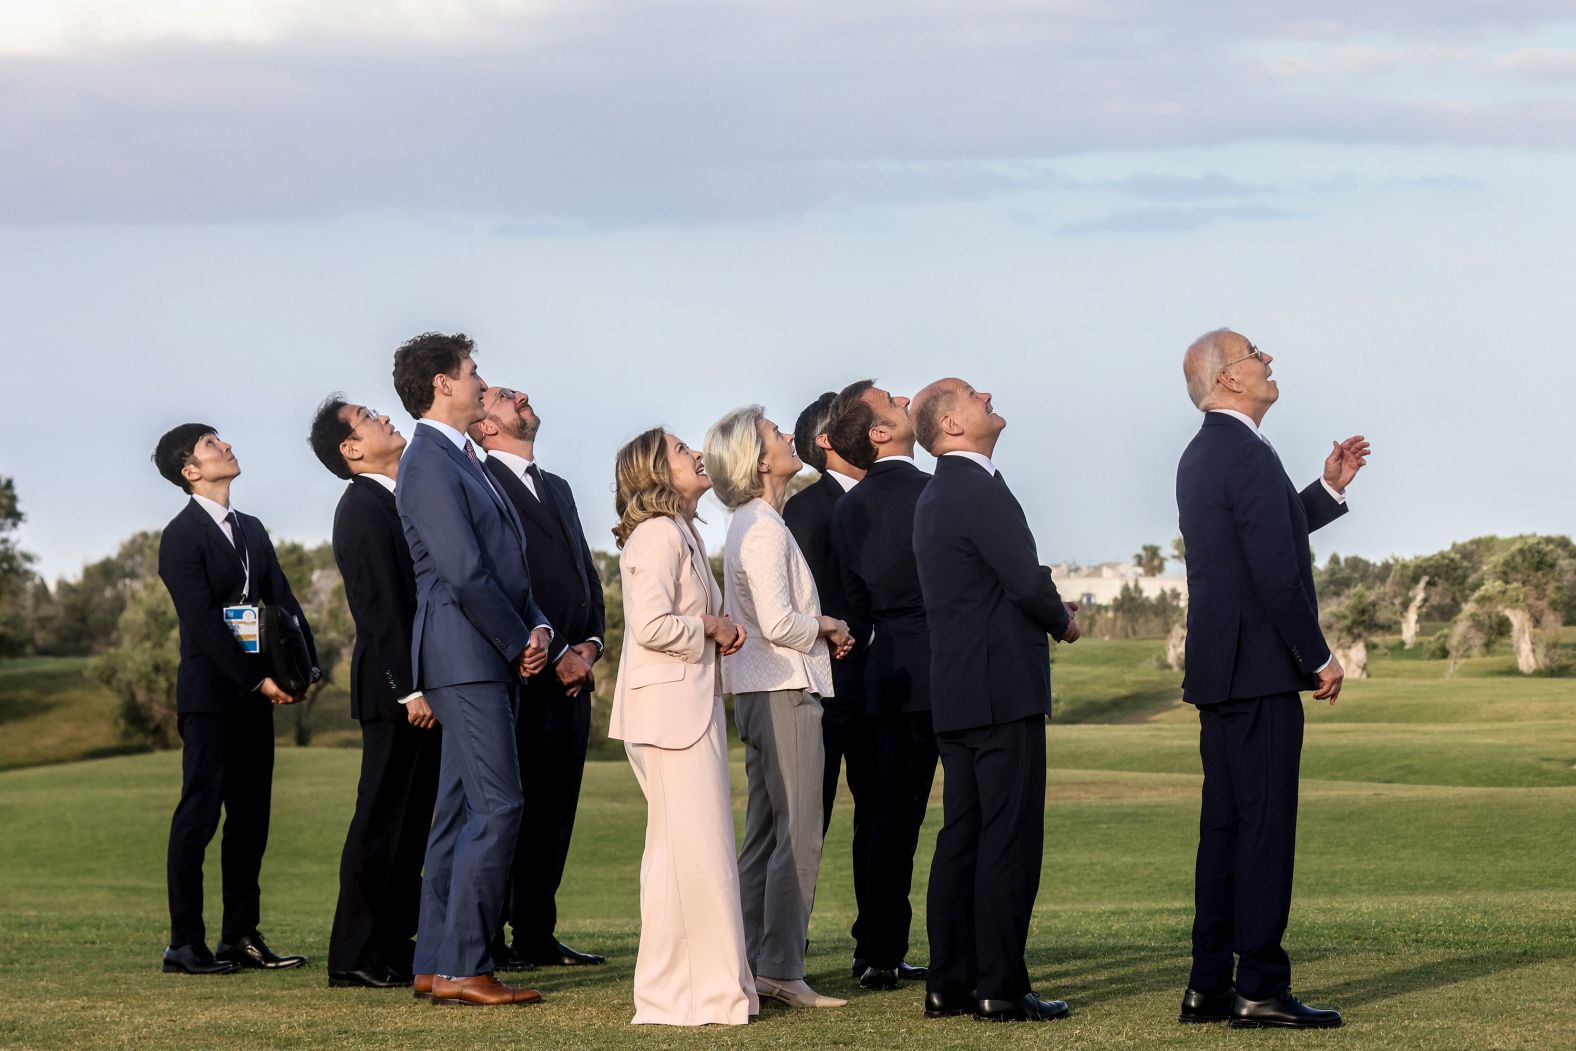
(846, 733)
(1253, 644)
(554, 724)
(477, 632)
(372, 941)
(210, 557)
(873, 532)
(990, 605)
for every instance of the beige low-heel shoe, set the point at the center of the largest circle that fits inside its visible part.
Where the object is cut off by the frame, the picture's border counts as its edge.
(794, 994)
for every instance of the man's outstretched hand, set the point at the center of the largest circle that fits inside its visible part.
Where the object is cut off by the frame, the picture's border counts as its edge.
(1345, 460)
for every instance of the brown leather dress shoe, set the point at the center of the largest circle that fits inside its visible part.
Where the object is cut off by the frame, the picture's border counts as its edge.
(480, 990)
(421, 986)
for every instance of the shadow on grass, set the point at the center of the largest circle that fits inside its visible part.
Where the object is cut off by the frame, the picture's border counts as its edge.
(1096, 973)
(1139, 706)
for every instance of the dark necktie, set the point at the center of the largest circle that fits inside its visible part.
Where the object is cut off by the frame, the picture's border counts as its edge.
(538, 485)
(470, 454)
(235, 530)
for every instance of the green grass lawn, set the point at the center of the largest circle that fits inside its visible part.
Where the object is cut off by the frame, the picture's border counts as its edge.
(1435, 902)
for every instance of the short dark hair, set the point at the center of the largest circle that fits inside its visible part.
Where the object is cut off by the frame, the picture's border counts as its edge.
(328, 430)
(849, 429)
(174, 451)
(418, 360)
(927, 420)
(811, 423)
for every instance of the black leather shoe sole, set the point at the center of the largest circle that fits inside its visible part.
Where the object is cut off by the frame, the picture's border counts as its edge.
(1275, 1023)
(219, 968)
(874, 978)
(1188, 1018)
(354, 980)
(909, 973)
(286, 963)
(936, 1007)
(1018, 1014)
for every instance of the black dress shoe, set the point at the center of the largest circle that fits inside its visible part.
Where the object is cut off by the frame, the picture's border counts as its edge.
(1025, 1008)
(252, 951)
(508, 958)
(1206, 1007)
(907, 972)
(946, 1005)
(558, 954)
(370, 978)
(878, 978)
(859, 968)
(195, 959)
(1282, 1011)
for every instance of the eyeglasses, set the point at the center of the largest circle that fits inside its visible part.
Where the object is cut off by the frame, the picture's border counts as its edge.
(1253, 352)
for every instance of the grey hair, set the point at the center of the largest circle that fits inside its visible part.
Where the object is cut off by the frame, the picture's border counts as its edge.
(733, 453)
(1202, 363)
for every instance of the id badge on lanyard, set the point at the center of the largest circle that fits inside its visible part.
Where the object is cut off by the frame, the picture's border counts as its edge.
(241, 618)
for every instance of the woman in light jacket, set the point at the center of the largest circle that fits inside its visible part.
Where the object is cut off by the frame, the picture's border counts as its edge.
(667, 709)
(777, 679)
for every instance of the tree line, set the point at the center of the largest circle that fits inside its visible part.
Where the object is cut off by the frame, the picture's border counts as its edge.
(1482, 594)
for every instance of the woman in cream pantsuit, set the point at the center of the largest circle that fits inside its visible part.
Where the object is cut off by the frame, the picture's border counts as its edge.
(667, 709)
(777, 679)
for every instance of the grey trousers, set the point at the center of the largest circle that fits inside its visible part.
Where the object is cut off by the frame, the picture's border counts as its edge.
(781, 855)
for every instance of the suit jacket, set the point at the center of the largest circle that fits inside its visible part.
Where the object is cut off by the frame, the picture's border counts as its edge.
(808, 514)
(564, 579)
(668, 681)
(474, 608)
(769, 592)
(380, 589)
(873, 530)
(204, 573)
(989, 602)
(1252, 615)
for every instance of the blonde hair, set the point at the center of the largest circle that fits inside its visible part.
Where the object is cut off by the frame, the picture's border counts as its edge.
(643, 485)
(734, 451)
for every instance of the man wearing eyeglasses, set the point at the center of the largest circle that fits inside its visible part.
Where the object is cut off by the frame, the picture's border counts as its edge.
(1253, 644)
(372, 943)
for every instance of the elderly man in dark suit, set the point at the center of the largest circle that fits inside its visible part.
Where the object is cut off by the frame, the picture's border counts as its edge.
(372, 941)
(477, 633)
(990, 605)
(872, 531)
(212, 557)
(845, 724)
(1253, 643)
(554, 724)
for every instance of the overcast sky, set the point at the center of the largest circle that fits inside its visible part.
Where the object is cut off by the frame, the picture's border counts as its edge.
(223, 210)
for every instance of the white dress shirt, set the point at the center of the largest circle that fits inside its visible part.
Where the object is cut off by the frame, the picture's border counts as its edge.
(979, 458)
(218, 512)
(519, 466)
(842, 479)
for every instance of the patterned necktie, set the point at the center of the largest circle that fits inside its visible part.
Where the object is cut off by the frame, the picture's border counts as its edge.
(470, 454)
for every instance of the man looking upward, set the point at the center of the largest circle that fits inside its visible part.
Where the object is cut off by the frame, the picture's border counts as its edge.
(1253, 643)
(477, 632)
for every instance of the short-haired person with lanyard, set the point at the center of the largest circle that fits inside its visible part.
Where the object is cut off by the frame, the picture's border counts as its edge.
(777, 680)
(667, 709)
(218, 563)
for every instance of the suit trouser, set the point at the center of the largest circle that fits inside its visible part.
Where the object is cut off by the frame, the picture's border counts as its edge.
(1251, 750)
(781, 854)
(380, 867)
(474, 825)
(226, 761)
(986, 871)
(846, 737)
(905, 749)
(551, 732)
(690, 969)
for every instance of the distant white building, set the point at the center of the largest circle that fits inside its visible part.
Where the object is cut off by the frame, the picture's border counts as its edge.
(1100, 584)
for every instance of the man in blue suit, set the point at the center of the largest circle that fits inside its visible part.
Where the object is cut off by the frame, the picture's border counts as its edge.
(1253, 644)
(477, 632)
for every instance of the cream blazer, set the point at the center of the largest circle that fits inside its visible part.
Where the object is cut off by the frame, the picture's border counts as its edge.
(667, 670)
(771, 594)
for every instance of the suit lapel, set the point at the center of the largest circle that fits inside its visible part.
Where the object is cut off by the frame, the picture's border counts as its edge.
(478, 474)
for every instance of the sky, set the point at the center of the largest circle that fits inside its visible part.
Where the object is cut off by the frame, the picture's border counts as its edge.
(222, 210)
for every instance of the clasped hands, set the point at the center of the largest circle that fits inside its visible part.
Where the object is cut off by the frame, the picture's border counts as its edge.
(533, 658)
(728, 635)
(837, 636)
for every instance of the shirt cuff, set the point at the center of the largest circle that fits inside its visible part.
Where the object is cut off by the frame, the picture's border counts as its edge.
(1326, 663)
(1339, 498)
(409, 697)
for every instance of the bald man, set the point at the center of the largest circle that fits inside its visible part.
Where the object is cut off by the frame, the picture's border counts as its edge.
(989, 604)
(1253, 643)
